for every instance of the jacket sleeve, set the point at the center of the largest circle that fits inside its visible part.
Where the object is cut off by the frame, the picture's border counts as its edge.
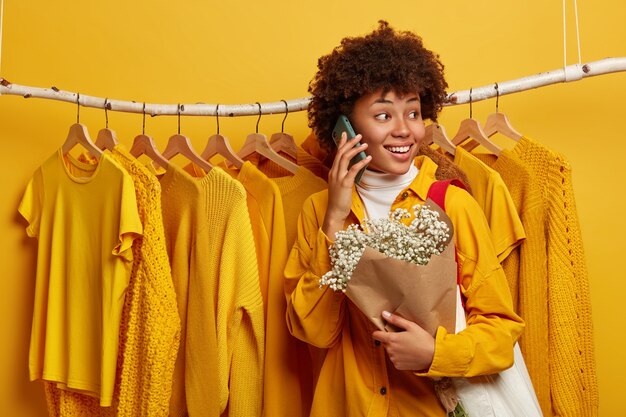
(486, 344)
(314, 315)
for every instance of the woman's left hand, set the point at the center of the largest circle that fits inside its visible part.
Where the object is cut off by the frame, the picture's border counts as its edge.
(410, 350)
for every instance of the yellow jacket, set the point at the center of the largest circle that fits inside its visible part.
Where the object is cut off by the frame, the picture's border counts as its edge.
(356, 378)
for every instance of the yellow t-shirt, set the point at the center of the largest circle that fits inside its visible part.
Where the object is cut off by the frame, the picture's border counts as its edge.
(357, 377)
(85, 219)
(493, 197)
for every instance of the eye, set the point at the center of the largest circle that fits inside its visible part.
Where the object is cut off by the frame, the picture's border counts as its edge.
(414, 114)
(382, 116)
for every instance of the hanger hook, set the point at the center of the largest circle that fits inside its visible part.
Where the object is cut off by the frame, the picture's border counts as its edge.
(106, 114)
(77, 107)
(497, 96)
(259, 119)
(470, 98)
(282, 127)
(217, 117)
(178, 118)
(143, 125)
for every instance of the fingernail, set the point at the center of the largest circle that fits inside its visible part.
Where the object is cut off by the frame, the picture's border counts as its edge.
(386, 314)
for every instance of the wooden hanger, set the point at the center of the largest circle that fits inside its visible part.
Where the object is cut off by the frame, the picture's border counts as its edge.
(471, 129)
(180, 144)
(144, 145)
(219, 145)
(78, 135)
(106, 138)
(257, 143)
(498, 123)
(283, 142)
(435, 133)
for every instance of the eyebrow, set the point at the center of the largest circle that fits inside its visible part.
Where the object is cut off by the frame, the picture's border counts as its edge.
(385, 101)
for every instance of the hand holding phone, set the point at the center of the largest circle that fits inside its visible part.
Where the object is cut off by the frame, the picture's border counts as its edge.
(343, 125)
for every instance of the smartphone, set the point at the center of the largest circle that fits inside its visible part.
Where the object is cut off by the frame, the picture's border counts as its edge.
(343, 125)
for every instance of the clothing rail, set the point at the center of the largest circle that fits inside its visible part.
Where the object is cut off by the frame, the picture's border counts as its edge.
(566, 74)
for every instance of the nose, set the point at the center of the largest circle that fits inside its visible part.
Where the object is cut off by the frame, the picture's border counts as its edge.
(400, 128)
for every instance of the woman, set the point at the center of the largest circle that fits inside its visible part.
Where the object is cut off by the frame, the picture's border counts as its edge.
(387, 83)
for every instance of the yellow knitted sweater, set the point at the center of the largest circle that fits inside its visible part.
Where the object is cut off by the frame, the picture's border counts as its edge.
(225, 327)
(573, 383)
(526, 269)
(149, 328)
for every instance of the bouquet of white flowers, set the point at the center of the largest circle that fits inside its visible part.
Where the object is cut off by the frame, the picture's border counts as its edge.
(408, 269)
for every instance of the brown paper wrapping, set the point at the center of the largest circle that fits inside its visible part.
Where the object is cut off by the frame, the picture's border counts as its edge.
(424, 294)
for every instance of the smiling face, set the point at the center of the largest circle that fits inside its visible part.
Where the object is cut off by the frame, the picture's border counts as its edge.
(392, 126)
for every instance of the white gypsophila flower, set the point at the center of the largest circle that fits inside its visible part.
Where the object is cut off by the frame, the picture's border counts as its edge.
(416, 242)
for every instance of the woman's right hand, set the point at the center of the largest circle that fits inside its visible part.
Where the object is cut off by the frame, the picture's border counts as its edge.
(340, 183)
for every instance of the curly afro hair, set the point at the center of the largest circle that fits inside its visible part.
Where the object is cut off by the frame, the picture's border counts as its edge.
(385, 60)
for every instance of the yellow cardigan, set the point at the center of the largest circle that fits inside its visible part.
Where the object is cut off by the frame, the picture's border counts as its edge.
(573, 383)
(356, 377)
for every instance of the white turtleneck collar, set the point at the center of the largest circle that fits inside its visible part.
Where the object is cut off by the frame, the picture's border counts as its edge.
(378, 190)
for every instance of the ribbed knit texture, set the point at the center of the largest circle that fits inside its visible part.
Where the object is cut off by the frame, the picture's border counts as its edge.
(295, 190)
(225, 292)
(150, 326)
(526, 269)
(186, 225)
(573, 380)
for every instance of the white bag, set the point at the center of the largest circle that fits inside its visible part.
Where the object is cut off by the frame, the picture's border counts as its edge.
(509, 393)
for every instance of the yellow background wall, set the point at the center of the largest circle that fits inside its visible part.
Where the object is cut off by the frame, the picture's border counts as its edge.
(241, 52)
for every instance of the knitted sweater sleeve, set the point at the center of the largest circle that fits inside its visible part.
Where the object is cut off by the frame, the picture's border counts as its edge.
(240, 317)
(572, 360)
(573, 384)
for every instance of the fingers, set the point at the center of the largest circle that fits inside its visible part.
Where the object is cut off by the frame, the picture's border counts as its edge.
(397, 320)
(382, 337)
(341, 171)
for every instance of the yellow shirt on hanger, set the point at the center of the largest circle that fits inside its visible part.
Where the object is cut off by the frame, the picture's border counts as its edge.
(357, 377)
(150, 326)
(85, 220)
(493, 197)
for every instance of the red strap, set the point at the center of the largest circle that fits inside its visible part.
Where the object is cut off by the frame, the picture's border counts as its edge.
(437, 193)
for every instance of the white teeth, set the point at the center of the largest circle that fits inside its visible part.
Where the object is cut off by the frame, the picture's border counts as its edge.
(398, 149)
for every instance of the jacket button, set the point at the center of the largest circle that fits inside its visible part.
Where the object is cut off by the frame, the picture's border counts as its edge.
(405, 195)
(383, 390)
